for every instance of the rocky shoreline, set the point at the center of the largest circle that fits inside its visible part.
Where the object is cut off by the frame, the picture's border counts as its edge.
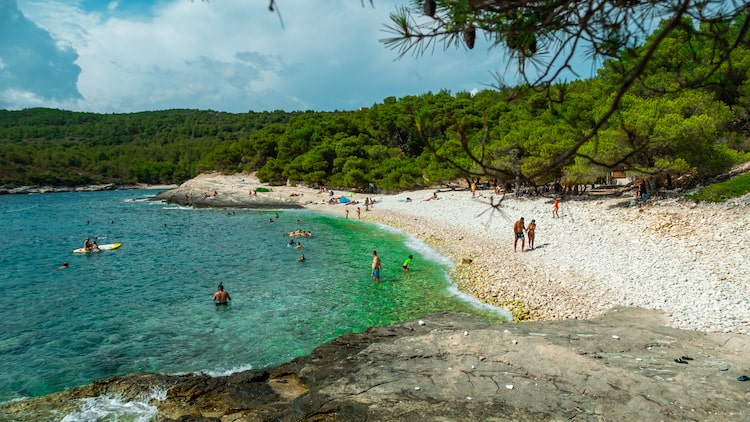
(28, 190)
(614, 295)
(616, 367)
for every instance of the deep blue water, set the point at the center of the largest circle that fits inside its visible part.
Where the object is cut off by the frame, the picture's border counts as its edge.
(147, 305)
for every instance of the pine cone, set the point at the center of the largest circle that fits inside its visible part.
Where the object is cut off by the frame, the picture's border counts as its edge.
(429, 8)
(470, 35)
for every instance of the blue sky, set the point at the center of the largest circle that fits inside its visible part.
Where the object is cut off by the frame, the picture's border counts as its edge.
(227, 55)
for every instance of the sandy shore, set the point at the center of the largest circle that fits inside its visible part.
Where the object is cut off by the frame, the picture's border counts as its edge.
(688, 260)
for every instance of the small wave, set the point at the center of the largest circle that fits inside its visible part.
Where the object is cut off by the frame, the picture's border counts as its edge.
(145, 199)
(177, 207)
(419, 246)
(474, 302)
(116, 408)
(423, 249)
(22, 209)
(221, 372)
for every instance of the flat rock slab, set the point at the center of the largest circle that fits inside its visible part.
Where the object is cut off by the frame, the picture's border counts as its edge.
(456, 367)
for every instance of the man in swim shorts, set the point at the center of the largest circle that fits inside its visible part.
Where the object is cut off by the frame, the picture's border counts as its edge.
(375, 267)
(518, 229)
(221, 297)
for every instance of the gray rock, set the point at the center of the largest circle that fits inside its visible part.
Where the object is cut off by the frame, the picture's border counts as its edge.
(433, 372)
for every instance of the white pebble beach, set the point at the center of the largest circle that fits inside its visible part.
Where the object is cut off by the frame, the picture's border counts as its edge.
(690, 260)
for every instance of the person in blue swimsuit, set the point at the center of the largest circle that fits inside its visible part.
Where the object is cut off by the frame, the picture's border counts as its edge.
(376, 267)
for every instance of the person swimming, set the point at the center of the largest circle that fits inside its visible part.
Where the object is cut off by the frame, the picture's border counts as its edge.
(221, 298)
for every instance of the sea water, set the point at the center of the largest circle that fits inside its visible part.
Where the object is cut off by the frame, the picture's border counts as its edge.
(147, 306)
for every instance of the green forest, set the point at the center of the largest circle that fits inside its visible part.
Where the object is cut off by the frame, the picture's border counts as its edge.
(682, 121)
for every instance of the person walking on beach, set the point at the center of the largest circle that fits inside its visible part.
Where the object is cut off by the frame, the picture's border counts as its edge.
(530, 232)
(347, 213)
(407, 263)
(555, 208)
(221, 298)
(359, 213)
(473, 189)
(518, 229)
(375, 267)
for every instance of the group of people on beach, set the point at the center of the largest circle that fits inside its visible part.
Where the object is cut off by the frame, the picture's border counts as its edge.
(519, 227)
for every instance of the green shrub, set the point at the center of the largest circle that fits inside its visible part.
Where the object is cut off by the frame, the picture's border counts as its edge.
(720, 192)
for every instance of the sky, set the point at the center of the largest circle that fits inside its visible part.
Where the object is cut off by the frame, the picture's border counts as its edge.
(226, 55)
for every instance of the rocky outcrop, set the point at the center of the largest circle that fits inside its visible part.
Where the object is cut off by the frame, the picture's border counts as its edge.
(21, 190)
(25, 190)
(619, 366)
(215, 190)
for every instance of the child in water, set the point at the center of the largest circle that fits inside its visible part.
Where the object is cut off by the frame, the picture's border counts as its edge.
(407, 263)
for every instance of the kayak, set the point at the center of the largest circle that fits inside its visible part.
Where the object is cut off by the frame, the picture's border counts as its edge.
(107, 247)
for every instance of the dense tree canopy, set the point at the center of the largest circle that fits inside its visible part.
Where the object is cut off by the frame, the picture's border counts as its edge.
(704, 40)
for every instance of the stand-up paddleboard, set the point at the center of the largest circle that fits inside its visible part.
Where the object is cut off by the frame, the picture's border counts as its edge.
(107, 247)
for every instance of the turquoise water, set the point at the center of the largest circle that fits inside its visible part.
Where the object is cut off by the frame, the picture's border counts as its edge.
(147, 305)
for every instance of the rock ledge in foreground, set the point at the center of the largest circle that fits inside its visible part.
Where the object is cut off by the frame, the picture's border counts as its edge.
(457, 367)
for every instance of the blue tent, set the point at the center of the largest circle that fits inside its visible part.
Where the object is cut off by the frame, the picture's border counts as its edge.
(344, 200)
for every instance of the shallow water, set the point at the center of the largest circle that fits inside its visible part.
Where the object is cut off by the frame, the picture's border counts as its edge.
(147, 305)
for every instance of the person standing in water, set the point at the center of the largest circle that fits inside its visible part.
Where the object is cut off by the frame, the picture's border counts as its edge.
(407, 263)
(375, 267)
(221, 298)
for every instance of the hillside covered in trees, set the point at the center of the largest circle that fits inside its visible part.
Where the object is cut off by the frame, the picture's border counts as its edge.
(664, 126)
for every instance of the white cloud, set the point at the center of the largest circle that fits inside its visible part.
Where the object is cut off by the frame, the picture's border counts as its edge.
(234, 55)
